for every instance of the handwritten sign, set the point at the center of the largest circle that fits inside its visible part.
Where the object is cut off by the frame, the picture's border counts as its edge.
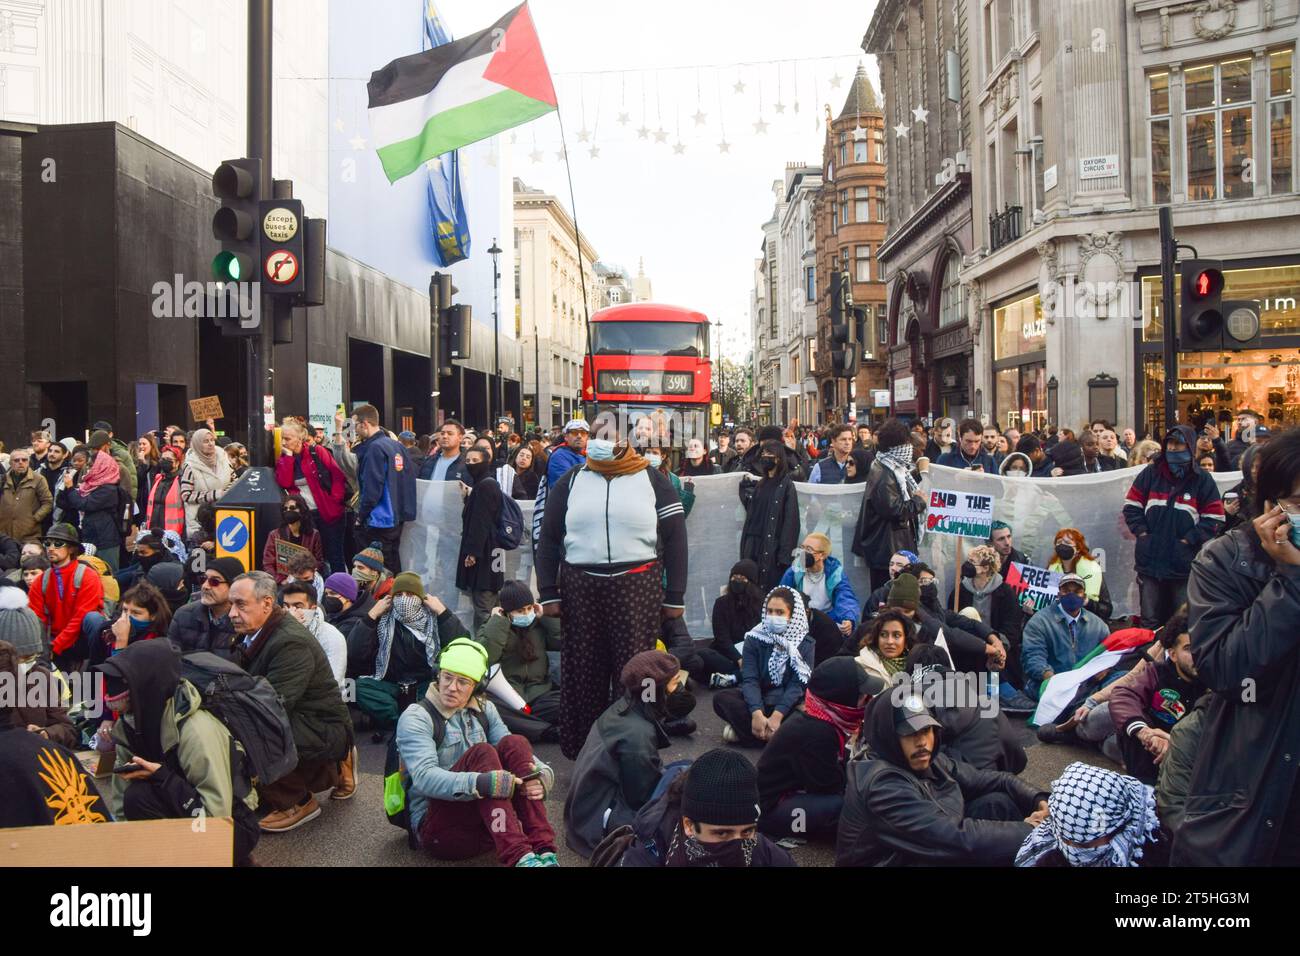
(286, 551)
(1038, 584)
(961, 513)
(201, 409)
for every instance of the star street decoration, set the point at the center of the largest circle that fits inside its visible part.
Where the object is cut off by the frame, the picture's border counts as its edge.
(921, 114)
(740, 86)
(679, 148)
(699, 117)
(624, 119)
(643, 133)
(760, 126)
(535, 156)
(338, 124)
(780, 107)
(724, 147)
(584, 135)
(859, 134)
(836, 80)
(661, 135)
(594, 152)
(358, 142)
(900, 130)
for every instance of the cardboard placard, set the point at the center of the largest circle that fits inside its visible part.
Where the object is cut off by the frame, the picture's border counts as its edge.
(201, 409)
(1038, 584)
(961, 513)
(286, 550)
(206, 841)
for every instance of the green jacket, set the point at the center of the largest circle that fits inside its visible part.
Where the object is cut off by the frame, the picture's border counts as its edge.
(1176, 769)
(293, 662)
(122, 455)
(203, 752)
(505, 646)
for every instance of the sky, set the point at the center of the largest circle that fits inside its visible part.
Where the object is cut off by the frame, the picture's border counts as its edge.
(694, 214)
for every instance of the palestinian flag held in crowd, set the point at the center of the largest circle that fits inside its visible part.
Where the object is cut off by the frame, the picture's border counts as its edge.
(430, 103)
(1060, 689)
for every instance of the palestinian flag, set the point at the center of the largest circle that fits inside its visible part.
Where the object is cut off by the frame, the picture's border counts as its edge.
(1060, 689)
(430, 103)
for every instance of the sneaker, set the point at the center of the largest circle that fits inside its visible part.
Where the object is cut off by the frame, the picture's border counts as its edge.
(722, 681)
(1057, 734)
(1018, 703)
(549, 858)
(729, 735)
(531, 859)
(282, 821)
(681, 727)
(347, 785)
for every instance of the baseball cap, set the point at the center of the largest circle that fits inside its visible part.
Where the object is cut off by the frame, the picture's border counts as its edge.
(407, 436)
(577, 425)
(911, 716)
(1072, 579)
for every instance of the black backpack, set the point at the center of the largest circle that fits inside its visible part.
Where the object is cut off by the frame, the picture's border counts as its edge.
(396, 805)
(510, 525)
(250, 709)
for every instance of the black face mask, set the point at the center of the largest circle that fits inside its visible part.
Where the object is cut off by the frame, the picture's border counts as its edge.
(1064, 551)
(679, 703)
(967, 569)
(166, 467)
(478, 469)
(809, 559)
(290, 515)
(767, 464)
(332, 605)
(738, 587)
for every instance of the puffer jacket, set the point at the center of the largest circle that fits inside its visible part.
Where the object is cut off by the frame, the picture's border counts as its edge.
(844, 603)
(1244, 615)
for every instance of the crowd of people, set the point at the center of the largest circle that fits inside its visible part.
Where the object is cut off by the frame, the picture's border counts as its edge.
(879, 722)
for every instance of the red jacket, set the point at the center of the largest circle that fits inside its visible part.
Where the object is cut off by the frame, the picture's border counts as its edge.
(63, 617)
(328, 503)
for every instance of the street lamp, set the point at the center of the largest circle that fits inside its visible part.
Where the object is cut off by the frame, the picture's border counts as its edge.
(497, 392)
(722, 379)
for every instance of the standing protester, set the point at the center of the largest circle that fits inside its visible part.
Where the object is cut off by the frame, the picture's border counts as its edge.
(562, 458)
(892, 503)
(1244, 615)
(296, 528)
(771, 527)
(1172, 508)
(969, 452)
(102, 439)
(414, 456)
(525, 470)
(942, 441)
(205, 625)
(205, 477)
(743, 442)
(309, 471)
(479, 568)
(97, 497)
(145, 453)
(1000, 537)
(1247, 427)
(387, 486)
(57, 468)
(26, 499)
(163, 509)
(1032, 448)
(724, 454)
(840, 465)
(1094, 461)
(994, 444)
(447, 464)
(612, 551)
(695, 462)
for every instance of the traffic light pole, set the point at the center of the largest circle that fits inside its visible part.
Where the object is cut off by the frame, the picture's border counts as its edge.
(260, 346)
(1169, 325)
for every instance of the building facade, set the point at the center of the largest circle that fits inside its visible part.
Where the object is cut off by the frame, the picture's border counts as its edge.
(769, 347)
(923, 51)
(550, 320)
(1090, 116)
(797, 295)
(850, 227)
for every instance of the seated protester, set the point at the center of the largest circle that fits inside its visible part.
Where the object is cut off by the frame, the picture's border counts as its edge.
(821, 577)
(969, 452)
(185, 765)
(32, 567)
(983, 589)
(169, 579)
(373, 579)
(348, 611)
(296, 528)
(887, 640)
(142, 616)
(618, 770)
(275, 646)
(1096, 817)
(1146, 710)
(878, 598)
(42, 782)
(1060, 636)
(465, 772)
(517, 637)
(828, 640)
(706, 820)
(974, 727)
(410, 628)
(907, 804)
(300, 601)
(204, 625)
(303, 568)
(149, 551)
(68, 598)
(973, 645)
(1000, 538)
(775, 666)
(801, 771)
(1176, 768)
(735, 613)
(1073, 557)
(22, 644)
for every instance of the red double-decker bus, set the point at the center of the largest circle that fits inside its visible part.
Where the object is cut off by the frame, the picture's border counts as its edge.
(652, 372)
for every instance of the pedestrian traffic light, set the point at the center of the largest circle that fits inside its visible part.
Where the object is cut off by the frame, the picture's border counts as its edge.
(1208, 323)
(238, 184)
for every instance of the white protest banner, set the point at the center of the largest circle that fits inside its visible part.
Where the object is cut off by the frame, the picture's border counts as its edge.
(965, 514)
(1038, 584)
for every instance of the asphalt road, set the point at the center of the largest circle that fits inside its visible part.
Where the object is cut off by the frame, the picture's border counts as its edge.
(355, 832)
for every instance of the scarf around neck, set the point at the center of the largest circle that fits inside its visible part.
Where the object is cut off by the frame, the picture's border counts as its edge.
(103, 471)
(899, 461)
(845, 719)
(1087, 803)
(785, 645)
(420, 622)
(689, 851)
(625, 462)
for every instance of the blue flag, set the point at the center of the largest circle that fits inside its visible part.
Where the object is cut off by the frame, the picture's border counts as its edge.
(446, 202)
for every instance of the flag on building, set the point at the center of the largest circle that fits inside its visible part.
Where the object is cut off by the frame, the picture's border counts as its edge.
(430, 103)
(447, 219)
(1059, 690)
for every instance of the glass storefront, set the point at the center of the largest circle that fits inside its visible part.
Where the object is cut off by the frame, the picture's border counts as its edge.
(1020, 364)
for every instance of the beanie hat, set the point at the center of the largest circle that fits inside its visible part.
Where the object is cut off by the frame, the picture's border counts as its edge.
(18, 624)
(911, 556)
(228, 568)
(747, 568)
(465, 657)
(905, 592)
(166, 576)
(769, 433)
(408, 582)
(655, 666)
(342, 584)
(371, 556)
(514, 595)
(721, 790)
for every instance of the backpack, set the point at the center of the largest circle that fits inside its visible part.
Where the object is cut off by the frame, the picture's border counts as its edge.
(322, 472)
(510, 525)
(250, 709)
(396, 806)
(609, 851)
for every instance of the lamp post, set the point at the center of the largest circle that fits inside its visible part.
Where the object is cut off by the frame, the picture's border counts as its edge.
(498, 395)
(722, 379)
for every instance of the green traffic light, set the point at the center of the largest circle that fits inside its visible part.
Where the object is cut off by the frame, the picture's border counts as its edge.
(226, 266)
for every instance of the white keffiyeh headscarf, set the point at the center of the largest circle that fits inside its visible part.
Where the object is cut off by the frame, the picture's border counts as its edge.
(1088, 803)
(785, 645)
(899, 461)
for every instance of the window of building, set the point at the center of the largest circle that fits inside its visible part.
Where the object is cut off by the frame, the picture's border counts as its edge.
(878, 144)
(859, 150)
(830, 171)
(844, 149)
(950, 300)
(844, 207)
(862, 257)
(861, 210)
(810, 284)
(882, 324)
(1005, 32)
(1019, 364)
(615, 296)
(1160, 147)
(880, 203)
(1279, 120)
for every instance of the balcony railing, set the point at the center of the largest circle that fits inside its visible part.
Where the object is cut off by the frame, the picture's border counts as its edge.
(1004, 227)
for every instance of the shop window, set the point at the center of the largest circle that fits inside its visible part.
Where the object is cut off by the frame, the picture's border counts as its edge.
(1019, 328)
(1279, 121)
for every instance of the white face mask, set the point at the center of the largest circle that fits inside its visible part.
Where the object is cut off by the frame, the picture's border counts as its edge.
(600, 449)
(654, 460)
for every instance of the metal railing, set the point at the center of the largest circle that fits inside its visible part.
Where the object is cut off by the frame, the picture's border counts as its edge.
(1004, 227)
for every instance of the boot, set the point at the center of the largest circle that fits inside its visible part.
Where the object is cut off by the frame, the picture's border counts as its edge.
(347, 785)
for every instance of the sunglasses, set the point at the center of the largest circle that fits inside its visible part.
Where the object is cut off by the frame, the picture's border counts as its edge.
(55, 543)
(212, 581)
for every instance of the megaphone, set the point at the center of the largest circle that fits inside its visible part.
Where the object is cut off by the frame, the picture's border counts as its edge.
(499, 689)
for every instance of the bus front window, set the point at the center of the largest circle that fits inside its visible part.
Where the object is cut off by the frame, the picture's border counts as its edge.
(648, 338)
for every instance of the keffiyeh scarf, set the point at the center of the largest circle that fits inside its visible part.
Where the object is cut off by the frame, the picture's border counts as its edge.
(417, 618)
(689, 851)
(1088, 803)
(785, 646)
(899, 461)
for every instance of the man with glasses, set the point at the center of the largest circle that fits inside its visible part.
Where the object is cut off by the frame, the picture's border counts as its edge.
(68, 598)
(821, 577)
(448, 464)
(204, 625)
(25, 500)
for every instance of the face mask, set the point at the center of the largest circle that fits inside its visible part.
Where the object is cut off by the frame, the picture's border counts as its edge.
(120, 703)
(166, 467)
(1072, 603)
(364, 576)
(1295, 528)
(1015, 474)
(679, 703)
(775, 623)
(332, 605)
(1178, 460)
(767, 464)
(809, 559)
(654, 460)
(600, 449)
(523, 620)
(407, 607)
(290, 515)
(738, 587)
(1065, 551)
(139, 627)
(478, 469)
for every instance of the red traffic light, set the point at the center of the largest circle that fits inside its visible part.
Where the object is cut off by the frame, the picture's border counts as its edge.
(1208, 282)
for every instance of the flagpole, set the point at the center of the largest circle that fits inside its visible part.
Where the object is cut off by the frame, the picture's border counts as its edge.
(577, 238)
